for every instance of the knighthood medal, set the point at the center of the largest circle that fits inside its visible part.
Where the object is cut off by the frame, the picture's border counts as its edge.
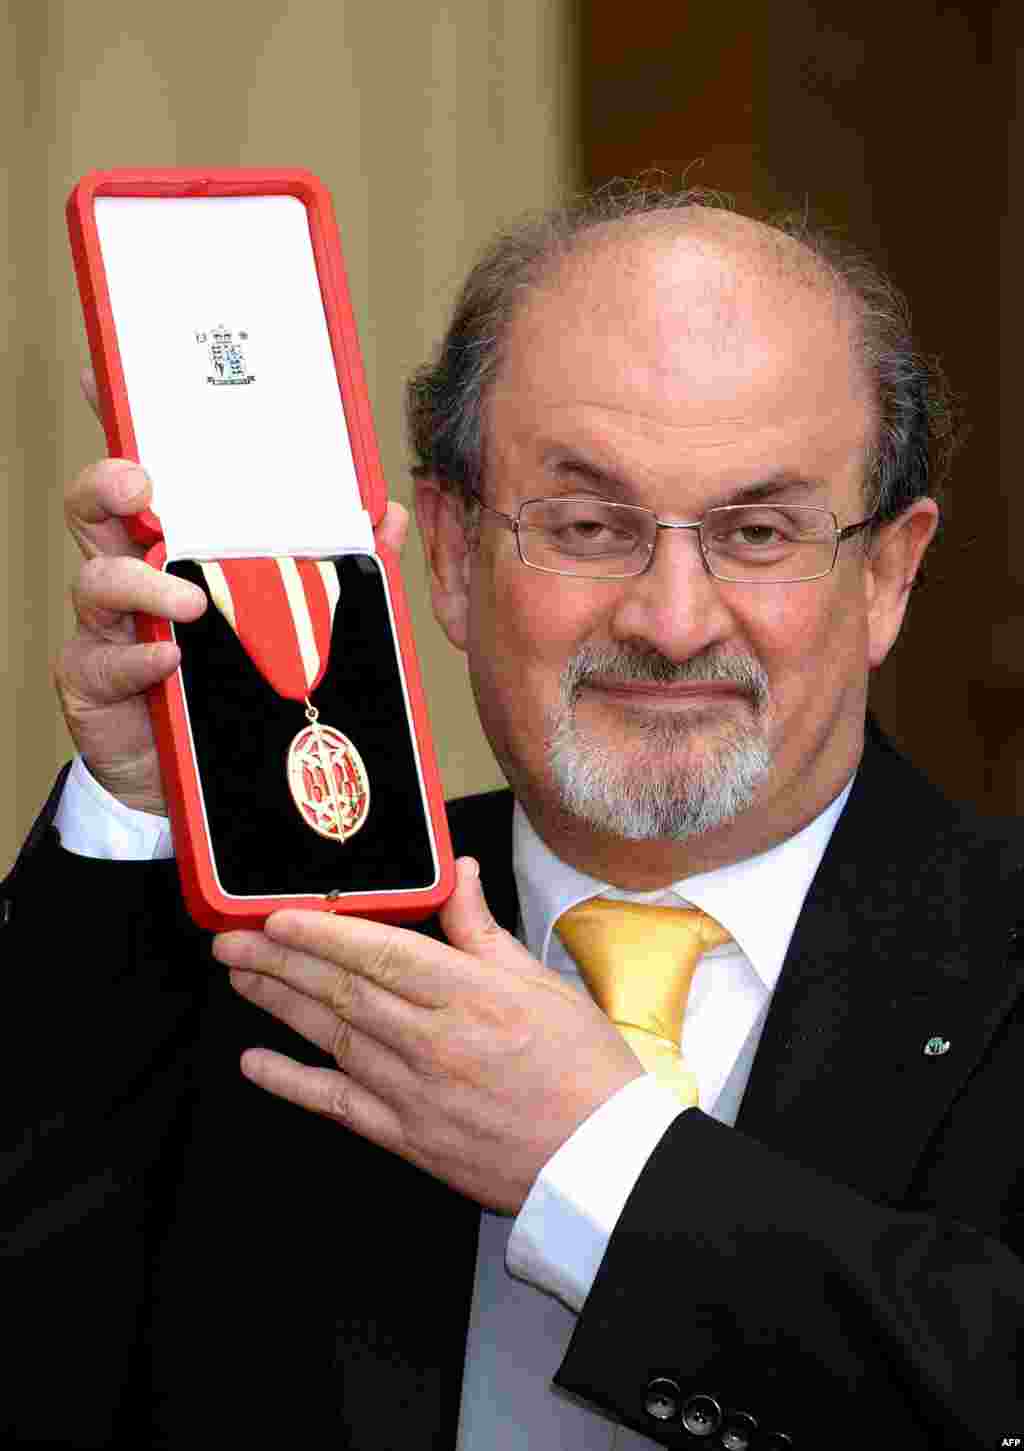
(282, 611)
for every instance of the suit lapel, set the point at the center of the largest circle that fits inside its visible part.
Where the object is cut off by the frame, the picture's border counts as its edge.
(903, 938)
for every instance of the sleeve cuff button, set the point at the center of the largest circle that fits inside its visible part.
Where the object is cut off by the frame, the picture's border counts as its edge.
(702, 1415)
(662, 1399)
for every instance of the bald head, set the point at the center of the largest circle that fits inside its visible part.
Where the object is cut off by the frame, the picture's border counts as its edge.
(701, 277)
(714, 274)
(732, 241)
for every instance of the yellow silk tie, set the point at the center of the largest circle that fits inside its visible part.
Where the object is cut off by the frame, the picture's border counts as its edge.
(638, 963)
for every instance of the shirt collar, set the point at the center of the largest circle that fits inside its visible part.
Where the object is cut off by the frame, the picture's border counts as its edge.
(757, 900)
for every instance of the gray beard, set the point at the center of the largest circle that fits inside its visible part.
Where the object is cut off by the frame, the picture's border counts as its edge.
(679, 798)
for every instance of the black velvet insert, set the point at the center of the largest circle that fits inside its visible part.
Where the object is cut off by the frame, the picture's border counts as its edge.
(242, 731)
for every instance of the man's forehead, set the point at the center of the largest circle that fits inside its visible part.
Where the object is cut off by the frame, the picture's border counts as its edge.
(699, 313)
(719, 335)
(704, 275)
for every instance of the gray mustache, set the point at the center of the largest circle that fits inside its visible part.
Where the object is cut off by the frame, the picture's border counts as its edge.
(712, 667)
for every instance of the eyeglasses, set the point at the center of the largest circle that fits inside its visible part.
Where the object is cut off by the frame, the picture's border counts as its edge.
(739, 543)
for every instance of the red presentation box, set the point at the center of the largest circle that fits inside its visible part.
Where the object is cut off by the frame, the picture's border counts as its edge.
(294, 743)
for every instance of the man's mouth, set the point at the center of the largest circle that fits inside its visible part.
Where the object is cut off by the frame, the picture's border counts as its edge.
(669, 693)
(651, 682)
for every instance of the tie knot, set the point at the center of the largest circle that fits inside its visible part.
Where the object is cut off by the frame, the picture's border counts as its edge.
(638, 961)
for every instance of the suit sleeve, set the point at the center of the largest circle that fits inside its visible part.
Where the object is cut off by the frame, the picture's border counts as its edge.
(105, 985)
(764, 1289)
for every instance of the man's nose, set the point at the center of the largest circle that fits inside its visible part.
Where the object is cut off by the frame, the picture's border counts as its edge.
(676, 607)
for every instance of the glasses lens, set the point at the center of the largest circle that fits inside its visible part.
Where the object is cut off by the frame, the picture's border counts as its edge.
(775, 543)
(586, 536)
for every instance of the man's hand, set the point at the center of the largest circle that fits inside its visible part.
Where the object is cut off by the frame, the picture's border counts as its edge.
(472, 1061)
(102, 674)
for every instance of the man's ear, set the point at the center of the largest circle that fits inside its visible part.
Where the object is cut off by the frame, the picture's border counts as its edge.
(894, 558)
(446, 547)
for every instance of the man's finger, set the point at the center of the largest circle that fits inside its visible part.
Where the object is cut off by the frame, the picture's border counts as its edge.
(88, 674)
(334, 958)
(326, 1092)
(340, 994)
(358, 1054)
(289, 1004)
(469, 926)
(424, 972)
(406, 963)
(393, 528)
(108, 589)
(98, 501)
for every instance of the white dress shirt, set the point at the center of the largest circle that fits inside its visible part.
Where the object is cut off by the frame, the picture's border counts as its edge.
(534, 1273)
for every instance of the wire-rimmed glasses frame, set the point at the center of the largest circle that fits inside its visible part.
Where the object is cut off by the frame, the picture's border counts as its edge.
(839, 534)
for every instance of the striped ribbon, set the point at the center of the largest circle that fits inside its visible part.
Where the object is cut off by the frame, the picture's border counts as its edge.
(282, 611)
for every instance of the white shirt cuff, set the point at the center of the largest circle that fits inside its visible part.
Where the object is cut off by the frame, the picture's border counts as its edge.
(93, 823)
(562, 1231)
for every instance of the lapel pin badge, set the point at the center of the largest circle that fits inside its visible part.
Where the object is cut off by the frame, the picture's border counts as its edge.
(936, 1046)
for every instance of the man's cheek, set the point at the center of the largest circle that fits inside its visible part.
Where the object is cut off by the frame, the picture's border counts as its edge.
(799, 651)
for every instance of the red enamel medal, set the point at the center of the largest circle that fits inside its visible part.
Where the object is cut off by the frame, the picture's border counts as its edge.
(282, 611)
(328, 780)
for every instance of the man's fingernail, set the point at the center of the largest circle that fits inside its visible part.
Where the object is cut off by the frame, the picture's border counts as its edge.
(225, 949)
(129, 480)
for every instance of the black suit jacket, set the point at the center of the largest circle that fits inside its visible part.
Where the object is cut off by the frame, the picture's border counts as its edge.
(193, 1259)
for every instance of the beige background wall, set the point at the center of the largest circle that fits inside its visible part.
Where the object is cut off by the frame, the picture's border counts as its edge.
(429, 122)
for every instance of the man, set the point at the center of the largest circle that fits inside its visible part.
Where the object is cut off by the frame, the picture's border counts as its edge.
(826, 1248)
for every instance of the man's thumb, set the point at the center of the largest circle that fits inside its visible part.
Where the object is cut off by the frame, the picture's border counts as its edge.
(466, 917)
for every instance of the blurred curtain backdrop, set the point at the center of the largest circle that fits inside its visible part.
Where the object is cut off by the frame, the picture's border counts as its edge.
(430, 122)
(899, 127)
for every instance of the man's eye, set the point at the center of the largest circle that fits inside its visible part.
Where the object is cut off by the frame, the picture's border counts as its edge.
(586, 529)
(583, 535)
(761, 533)
(758, 534)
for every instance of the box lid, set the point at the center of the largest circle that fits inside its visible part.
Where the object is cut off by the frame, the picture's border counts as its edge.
(217, 302)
